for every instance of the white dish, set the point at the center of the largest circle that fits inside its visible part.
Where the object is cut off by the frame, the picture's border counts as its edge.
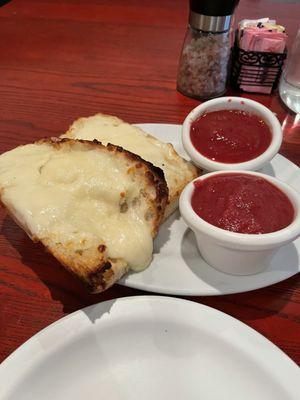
(148, 347)
(239, 253)
(178, 269)
(233, 103)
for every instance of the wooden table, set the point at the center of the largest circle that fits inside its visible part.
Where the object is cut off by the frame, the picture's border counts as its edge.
(69, 58)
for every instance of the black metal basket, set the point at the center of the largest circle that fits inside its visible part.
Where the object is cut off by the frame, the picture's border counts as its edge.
(255, 68)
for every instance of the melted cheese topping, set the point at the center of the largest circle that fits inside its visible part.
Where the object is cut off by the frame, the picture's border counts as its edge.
(74, 197)
(109, 129)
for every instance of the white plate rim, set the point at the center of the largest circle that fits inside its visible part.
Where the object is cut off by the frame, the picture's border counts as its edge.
(274, 356)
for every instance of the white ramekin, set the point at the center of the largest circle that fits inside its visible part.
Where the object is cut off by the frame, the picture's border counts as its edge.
(238, 253)
(230, 103)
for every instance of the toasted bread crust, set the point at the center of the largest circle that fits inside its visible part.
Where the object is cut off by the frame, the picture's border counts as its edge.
(93, 267)
(104, 274)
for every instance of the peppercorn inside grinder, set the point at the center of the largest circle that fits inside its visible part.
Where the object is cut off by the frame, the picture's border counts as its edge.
(204, 60)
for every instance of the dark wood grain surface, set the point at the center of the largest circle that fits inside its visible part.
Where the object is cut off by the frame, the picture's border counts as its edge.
(69, 58)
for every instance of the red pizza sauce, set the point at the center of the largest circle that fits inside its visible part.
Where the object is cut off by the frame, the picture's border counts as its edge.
(242, 203)
(230, 136)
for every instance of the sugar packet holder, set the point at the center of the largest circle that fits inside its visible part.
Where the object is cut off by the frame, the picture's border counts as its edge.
(258, 55)
(256, 71)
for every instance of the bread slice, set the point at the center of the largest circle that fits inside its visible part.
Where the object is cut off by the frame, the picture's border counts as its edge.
(108, 129)
(95, 208)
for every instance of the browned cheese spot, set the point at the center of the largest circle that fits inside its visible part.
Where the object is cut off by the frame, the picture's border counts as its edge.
(101, 248)
(123, 207)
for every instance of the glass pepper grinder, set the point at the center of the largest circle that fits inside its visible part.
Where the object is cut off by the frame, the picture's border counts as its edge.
(203, 64)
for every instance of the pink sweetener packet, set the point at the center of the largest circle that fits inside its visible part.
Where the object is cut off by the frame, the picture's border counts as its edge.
(262, 39)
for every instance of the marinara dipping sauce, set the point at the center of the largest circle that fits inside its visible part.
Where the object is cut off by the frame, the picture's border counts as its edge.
(230, 136)
(242, 203)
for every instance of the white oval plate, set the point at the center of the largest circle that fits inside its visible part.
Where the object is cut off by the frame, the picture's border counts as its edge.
(178, 268)
(148, 347)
